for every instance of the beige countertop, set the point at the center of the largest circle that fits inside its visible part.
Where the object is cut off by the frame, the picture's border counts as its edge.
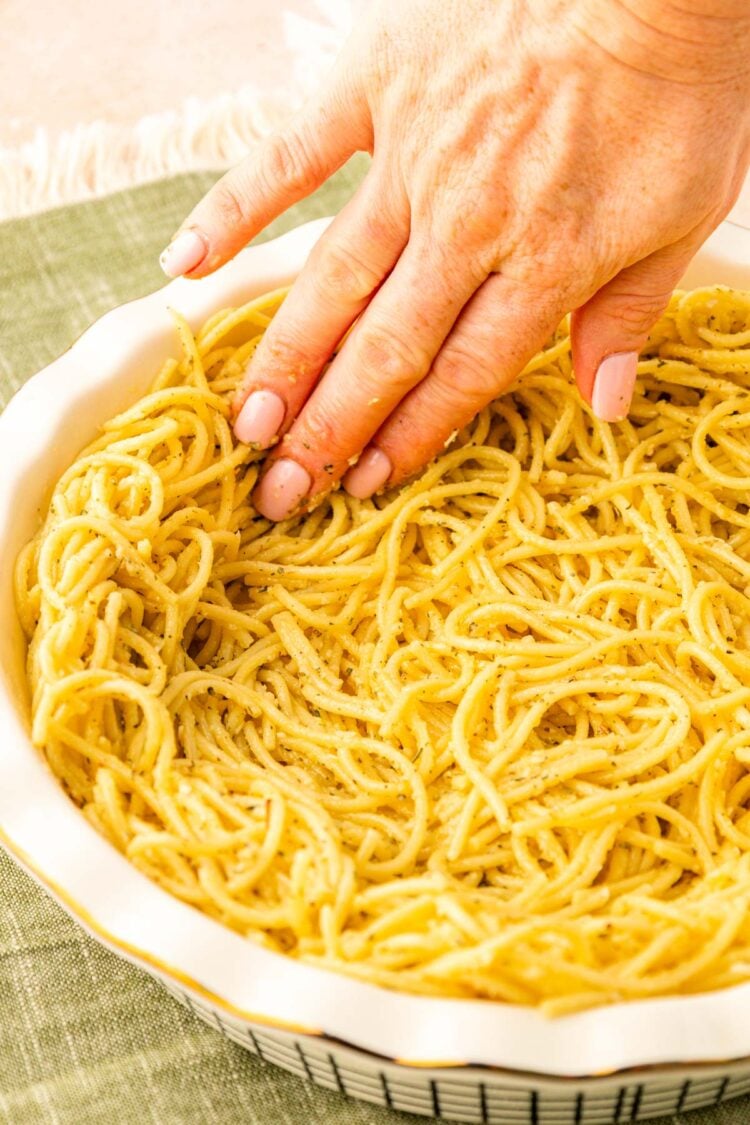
(64, 63)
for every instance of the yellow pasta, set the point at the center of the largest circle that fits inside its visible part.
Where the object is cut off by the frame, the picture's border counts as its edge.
(485, 736)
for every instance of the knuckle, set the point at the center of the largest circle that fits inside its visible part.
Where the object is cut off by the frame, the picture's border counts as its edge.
(636, 312)
(537, 257)
(449, 259)
(409, 442)
(284, 160)
(341, 274)
(385, 225)
(548, 281)
(229, 203)
(464, 379)
(316, 439)
(384, 356)
(282, 355)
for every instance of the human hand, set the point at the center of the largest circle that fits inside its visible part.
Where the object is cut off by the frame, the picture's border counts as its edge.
(529, 158)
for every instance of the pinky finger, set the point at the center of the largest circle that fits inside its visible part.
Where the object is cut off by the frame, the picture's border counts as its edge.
(609, 330)
(498, 332)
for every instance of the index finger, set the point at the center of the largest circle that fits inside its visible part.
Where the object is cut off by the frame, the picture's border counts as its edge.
(283, 169)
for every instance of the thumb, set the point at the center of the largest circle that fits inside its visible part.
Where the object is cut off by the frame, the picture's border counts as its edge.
(284, 168)
(607, 333)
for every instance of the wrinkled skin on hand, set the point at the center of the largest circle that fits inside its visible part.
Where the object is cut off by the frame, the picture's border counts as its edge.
(529, 158)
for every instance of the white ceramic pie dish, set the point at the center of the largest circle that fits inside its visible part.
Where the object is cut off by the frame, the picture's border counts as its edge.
(385, 1046)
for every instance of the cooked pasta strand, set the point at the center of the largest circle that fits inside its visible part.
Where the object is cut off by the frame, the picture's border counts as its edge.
(487, 735)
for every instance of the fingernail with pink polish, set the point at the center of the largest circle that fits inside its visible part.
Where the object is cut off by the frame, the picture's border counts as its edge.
(369, 474)
(282, 488)
(186, 251)
(259, 420)
(613, 386)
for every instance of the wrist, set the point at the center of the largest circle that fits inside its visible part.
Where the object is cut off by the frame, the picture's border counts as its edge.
(696, 42)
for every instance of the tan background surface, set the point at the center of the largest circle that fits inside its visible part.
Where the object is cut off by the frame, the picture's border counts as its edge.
(66, 62)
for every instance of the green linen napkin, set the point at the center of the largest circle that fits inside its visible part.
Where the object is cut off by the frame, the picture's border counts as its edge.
(85, 1037)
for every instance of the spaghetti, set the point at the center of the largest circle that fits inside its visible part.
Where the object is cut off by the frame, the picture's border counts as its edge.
(484, 736)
